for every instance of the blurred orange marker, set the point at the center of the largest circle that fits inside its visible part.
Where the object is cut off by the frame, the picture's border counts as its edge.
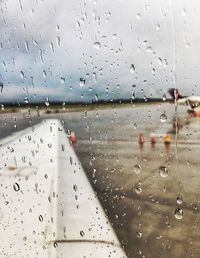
(73, 138)
(167, 139)
(141, 139)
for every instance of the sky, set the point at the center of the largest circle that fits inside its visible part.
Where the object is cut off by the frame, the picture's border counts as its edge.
(98, 49)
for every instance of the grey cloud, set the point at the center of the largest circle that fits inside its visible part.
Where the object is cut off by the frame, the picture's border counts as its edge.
(130, 32)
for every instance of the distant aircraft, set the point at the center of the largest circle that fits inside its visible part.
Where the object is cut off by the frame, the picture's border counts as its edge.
(192, 101)
(1, 87)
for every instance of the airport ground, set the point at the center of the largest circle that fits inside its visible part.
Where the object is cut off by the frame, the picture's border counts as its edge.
(151, 193)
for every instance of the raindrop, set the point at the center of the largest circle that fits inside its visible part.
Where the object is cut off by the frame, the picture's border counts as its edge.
(163, 171)
(164, 97)
(27, 46)
(163, 118)
(138, 190)
(179, 200)
(138, 234)
(58, 41)
(160, 61)
(82, 233)
(35, 42)
(41, 56)
(137, 169)
(81, 82)
(75, 187)
(97, 45)
(40, 218)
(183, 12)
(178, 213)
(1, 86)
(132, 68)
(26, 100)
(149, 49)
(158, 237)
(187, 44)
(44, 74)
(51, 47)
(16, 187)
(55, 244)
(139, 16)
(63, 147)
(22, 75)
(158, 26)
(47, 101)
(71, 160)
(62, 80)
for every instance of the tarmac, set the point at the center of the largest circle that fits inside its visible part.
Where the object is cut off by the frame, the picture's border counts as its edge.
(150, 192)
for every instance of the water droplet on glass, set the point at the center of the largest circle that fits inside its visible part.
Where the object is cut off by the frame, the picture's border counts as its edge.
(138, 190)
(26, 100)
(158, 26)
(51, 47)
(160, 61)
(163, 118)
(35, 42)
(58, 41)
(163, 171)
(97, 45)
(183, 12)
(158, 237)
(27, 46)
(138, 234)
(82, 233)
(75, 187)
(149, 49)
(179, 200)
(137, 169)
(16, 187)
(22, 75)
(62, 80)
(132, 68)
(47, 101)
(44, 74)
(178, 213)
(164, 97)
(139, 16)
(135, 126)
(82, 82)
(40, 218)
(55, 244)
(187, 44)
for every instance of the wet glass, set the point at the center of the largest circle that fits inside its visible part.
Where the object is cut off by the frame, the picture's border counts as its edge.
(105, 91)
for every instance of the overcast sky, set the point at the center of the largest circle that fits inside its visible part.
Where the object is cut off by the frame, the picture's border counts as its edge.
(98, 49)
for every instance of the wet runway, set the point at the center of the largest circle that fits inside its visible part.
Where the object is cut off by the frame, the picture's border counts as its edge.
(150, 193)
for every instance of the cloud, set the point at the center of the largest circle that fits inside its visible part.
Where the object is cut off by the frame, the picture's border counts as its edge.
(98, 41)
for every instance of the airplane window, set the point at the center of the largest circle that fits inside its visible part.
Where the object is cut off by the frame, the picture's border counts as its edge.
(99, 119)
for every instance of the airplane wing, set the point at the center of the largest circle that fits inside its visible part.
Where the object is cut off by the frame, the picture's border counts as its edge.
(48, 207)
